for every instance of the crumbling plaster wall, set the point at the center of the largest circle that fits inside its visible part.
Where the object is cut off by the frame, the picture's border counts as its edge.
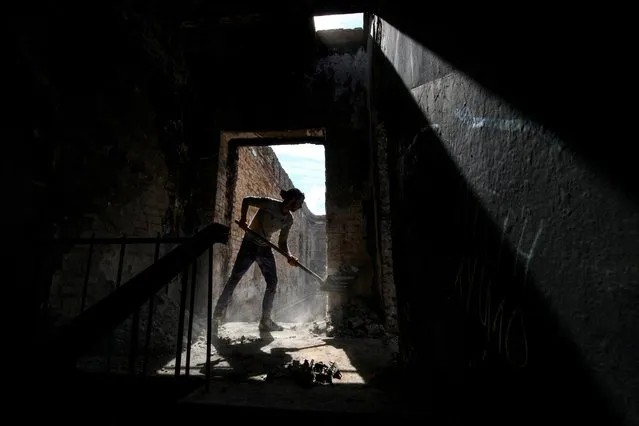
(341, 81)
(344, 76)
(381, 228)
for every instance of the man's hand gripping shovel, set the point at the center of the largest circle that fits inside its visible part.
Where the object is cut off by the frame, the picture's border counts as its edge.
(325, 284)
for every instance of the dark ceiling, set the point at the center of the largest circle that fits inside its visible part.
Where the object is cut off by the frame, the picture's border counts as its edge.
(225, 9)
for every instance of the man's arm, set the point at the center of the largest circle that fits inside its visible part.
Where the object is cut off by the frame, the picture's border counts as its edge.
(259, 202)
(283, 243)
(283, 240)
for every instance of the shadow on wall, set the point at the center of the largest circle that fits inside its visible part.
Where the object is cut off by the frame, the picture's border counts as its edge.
(474, 322)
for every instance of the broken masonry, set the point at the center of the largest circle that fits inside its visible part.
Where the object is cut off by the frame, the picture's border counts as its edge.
(306, 373)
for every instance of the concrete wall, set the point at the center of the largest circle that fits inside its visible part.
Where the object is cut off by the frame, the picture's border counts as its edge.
(514, 261)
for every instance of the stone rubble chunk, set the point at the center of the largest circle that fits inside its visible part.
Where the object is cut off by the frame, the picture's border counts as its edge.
(357, 322)
(306, 374)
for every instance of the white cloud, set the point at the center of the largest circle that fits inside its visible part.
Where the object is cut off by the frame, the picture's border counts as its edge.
(305, 165)
(316, 199)
(331, 22)
(306, 150)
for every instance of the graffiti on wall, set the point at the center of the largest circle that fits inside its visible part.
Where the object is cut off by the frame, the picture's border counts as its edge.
(491, 286)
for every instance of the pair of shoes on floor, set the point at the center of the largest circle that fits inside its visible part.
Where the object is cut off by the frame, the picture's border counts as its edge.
(269, 325)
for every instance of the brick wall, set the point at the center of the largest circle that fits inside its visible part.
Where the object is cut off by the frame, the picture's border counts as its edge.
(341, 81)
(139, 210)
(222, 254)
(259, 173)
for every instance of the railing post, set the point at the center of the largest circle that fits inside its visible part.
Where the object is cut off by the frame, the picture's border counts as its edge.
(149, 322)
(121, 261)
(189, 337)
(135, 325)
(117, 285)
(133, 349)
(209, 322)
(86, 275)
(180, 336)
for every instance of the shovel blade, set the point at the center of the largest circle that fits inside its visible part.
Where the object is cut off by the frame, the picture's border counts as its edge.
(334, 285)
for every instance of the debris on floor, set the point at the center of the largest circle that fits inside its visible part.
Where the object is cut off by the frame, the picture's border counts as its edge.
(318, 328)
(241, 340)
(305, 373)
(357, 322)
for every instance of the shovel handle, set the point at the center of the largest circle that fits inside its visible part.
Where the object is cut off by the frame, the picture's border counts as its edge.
(276, 248)
(263, 239)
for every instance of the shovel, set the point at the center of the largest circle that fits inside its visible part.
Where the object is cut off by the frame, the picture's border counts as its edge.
(328, 284)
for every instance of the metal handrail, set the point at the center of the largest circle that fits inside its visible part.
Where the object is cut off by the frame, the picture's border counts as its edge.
(103, 317)
(119, 240)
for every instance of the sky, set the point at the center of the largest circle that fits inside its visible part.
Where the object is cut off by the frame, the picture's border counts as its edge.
(306, 167)
(329, 22)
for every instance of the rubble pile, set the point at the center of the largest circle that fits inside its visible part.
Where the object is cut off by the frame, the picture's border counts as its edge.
(242, 340)
(305, 373)
(318, 328)
(357, 321)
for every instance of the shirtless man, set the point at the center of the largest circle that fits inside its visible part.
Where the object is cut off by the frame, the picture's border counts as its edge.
(272, 215)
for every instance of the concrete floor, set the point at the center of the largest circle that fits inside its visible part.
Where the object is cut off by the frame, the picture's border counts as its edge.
(243, 357)
(242, 351)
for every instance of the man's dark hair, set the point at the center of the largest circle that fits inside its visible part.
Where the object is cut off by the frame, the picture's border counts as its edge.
(292, 194)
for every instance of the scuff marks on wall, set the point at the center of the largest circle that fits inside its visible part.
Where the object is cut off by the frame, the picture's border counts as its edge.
(467, 118)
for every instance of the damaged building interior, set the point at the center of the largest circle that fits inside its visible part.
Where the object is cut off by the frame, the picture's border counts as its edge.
(478, 257)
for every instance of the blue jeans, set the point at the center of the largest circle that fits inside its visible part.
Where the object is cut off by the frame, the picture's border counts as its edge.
(250, 252)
